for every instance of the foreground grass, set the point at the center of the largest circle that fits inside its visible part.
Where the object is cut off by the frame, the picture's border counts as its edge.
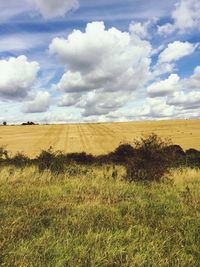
(86, 218)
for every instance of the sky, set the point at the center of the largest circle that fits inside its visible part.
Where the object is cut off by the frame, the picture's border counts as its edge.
(69, 61)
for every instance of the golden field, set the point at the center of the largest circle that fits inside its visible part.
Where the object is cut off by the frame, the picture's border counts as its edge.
(98, 138)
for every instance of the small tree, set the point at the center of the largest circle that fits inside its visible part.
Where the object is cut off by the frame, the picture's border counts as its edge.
(4, 123)
(151, 160)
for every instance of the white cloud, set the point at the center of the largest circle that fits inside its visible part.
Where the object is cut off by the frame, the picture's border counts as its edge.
(55, 8)
(176, 51)
(186, 14)
(173, 52)
(185, 17)
(74, 82)
(10, 9)
(26, 41)
(102, 103)
(164, 87)
(102, 60)
(140, 29)
(39, 104)
(185, 101)
(194, 81)
(70, 100)
(151, 108)
(17, 42)
(18, 76)
(157, 108)
(160, 69)
(165, 29)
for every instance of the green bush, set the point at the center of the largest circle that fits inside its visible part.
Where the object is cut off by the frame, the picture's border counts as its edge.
(122, 153)
(52, 161)
(151, 160)
(20, 160)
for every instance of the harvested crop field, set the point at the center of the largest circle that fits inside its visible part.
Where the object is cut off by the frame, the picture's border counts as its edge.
(98, 138)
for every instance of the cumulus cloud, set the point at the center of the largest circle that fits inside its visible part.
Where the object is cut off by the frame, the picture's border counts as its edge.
(17, 78)
(102, 60)
(140, 29)
(55, 8)
(185, 101)
(166, 29)
(152, 108)
(101, 103)
(160, 108)
(39, 104)
(186, 14)
(176, 51)
(157, 108)
(194, 81)
(171, 54)
(185, 17)
(74, 82)
(164, 87)
(70, 100)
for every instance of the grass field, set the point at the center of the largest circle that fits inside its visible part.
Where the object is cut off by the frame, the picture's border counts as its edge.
(89, 219)
(95, 138)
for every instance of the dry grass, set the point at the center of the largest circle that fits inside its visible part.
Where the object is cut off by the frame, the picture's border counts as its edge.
(95, 138)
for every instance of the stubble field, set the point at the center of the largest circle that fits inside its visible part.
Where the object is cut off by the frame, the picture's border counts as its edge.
(98, 138)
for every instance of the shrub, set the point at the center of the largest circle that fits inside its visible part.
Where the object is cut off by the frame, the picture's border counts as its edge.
(122, 154)
(20, 160)
(193, 158)
(103, 159)
(52, 161)
(81, 158)
(151, 160)
(178, 155)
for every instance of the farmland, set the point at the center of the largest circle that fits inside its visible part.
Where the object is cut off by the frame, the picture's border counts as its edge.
(98, 138)
(60, 211)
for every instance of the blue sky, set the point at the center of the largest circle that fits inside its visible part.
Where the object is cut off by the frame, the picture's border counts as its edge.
(81, 61)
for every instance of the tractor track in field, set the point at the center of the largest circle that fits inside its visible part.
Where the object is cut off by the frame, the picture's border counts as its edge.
(95, 133)
(43, 141)
(82, 138)
(99, 132)
(57, 134)
(49, 138)
(66, 142)
(87, 140)
(106, 130)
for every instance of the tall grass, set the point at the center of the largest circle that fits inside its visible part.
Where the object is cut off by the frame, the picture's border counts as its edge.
(85, 217)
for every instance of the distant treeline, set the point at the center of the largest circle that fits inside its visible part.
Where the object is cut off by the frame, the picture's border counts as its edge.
(29, 123)
(147, 159)
(24, 123)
